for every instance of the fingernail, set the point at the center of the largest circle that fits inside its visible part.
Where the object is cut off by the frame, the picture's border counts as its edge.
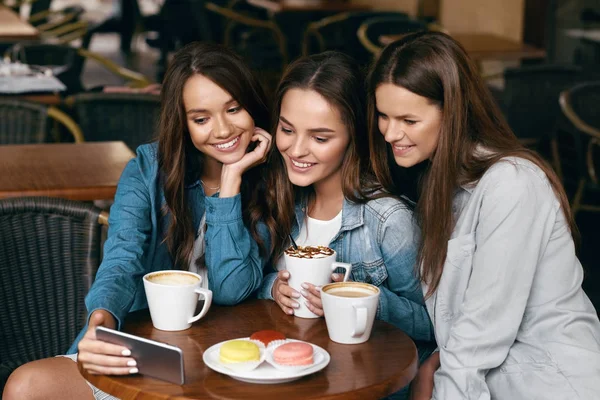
(286, 274)
(131, 363)
(126, 353)
(336, 276)
(304, 293)
(290, 312)
(295, 305)
(295, 295)
(305, 285)
(133, 371)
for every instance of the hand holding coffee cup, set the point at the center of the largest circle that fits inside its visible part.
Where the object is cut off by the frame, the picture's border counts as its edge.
(310, 267)
(350, 309)
(172, 298)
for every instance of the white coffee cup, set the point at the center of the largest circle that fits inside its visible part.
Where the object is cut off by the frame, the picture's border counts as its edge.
(312, 270)
(350, 309)
(172, 299)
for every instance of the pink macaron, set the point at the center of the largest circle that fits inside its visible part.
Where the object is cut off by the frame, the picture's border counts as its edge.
(294, 353)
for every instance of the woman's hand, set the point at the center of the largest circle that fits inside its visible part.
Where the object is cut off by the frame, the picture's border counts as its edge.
(231, 174)
(421, 387)
(99, 357)
(283, 294)
(312, 294)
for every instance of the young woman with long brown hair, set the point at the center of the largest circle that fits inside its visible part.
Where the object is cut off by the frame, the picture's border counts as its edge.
(322, 193)
(497, 256)
(178, 206)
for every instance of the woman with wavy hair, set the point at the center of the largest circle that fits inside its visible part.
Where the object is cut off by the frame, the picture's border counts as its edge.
(320, 181)
(497, 257)
(178, 206)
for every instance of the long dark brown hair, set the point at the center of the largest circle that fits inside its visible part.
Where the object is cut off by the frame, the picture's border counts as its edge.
(338, 79)
(435, 66)
(180, 163)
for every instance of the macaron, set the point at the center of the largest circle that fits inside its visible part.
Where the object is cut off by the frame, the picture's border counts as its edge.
(294, 353)
(236, 351)
(267, 336)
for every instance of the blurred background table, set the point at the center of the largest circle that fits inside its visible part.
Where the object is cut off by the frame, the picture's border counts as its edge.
(13, 28)
(82, 171)
(485, 46)
(372, 370)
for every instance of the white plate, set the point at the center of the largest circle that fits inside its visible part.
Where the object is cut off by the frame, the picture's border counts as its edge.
(265, 373)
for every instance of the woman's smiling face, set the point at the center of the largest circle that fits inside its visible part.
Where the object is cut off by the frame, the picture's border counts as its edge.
(311, 138)
(219, 127)
(409, 123)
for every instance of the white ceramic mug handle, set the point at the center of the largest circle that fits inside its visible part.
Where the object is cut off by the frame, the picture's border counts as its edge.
(361, 320)
(346, 266)
(207, 294)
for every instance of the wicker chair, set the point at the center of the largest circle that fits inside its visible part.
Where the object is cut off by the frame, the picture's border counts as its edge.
(580, 105)
(130, 117)
(338, 32)
(370, 30)
(24, 122)
(49, 255)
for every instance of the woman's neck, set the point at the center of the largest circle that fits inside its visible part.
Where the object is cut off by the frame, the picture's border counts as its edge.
(211, 175)
(328, 199)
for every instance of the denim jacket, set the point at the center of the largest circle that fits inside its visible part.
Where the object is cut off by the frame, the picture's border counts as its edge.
(135, 244)
(379, 239)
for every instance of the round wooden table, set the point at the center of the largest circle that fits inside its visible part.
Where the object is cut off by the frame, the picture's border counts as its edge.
(372, 370)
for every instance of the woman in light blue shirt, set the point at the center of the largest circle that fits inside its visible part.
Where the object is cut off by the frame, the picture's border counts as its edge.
(319, 179)
(497, 259)
(178, 206)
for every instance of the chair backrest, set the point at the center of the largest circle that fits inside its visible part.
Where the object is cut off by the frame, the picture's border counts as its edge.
(49, 255)
(371, 29)
(338, 32)
(531, 94)
(130, 117)
(22, 122)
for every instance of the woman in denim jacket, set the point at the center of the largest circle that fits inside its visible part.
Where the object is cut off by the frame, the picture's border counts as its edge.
(497, 258)
(178, 206)
(317, 178)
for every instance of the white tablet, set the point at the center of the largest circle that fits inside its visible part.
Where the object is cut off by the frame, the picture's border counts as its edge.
(155, 359)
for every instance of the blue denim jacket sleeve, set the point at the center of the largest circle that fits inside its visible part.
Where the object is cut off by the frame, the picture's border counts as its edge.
(232, 255)
(401, 301)
(130, 229)
(264, 292)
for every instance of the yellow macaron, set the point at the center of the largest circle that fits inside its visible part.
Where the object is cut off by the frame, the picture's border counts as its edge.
(236, 351)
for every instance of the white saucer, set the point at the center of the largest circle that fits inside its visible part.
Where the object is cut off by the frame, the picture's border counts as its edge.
(265, 373)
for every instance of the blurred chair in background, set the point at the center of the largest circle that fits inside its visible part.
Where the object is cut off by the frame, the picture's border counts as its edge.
(371, 29)
(339, 32)
(580, 105)
(530, 102)
(130, 117)
(49, 255)
(24, 122)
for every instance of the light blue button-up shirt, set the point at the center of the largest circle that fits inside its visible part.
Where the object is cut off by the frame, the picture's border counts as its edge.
(511, 319)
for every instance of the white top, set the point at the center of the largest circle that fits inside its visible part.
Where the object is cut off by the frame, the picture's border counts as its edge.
(510, 317)
(197, 264)
(315, 232)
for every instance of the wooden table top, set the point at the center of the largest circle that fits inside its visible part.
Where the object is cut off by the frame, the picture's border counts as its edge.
(485, 46)
(13, 28)
(381, 366)
(279, 6)
(83, 171)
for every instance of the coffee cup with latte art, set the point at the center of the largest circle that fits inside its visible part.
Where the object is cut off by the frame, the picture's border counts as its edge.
(311, 264)
(172, 298)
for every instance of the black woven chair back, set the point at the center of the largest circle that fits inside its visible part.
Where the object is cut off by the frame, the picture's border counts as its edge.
(22, 122)
(531, 97)
(130, 117)
(64, 61)
(392, 25)
(585, 101)
(49, 255)
(341, 36)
